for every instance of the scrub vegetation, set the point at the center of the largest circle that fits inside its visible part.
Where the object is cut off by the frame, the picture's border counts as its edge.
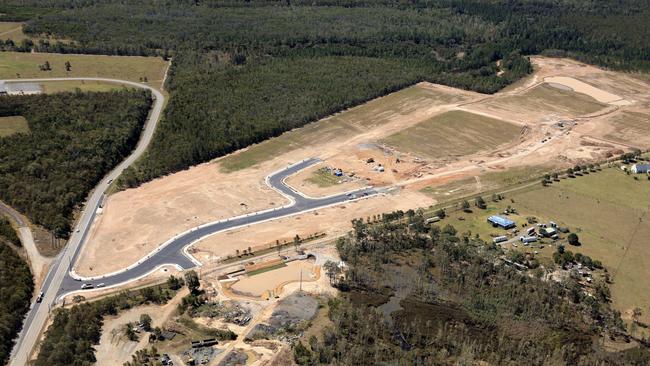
(16, 287)
(422, 294)
(75, 140)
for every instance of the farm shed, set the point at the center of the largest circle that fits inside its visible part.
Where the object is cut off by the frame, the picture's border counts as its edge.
(501, 222)
(640, 168)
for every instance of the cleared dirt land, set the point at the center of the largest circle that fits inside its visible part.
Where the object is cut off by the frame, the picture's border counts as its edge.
(499, 140)
(13, 124)
(15, 65)
(439, 137)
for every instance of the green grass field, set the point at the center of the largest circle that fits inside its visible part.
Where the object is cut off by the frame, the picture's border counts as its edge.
(453, 133)
(609, 212)
(13, 124)
(345, 124)
(26, 65)
(323, 178)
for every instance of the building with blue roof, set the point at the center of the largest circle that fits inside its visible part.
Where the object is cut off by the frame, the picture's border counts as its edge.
(499, 221)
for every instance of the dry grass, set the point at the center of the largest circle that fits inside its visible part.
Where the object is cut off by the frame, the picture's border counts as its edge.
(86, 86)
(13, 124)
(133, 68)
(346, 124)
(606, 209)
(549, 99)
(11, 30)
(628, 126)
(453, 133)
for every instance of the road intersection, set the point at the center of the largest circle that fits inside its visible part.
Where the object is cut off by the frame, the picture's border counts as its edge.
(61, 279)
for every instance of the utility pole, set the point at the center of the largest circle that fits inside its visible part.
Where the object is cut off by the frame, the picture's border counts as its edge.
(300, 279)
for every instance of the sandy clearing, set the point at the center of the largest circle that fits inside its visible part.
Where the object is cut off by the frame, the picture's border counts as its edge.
(333, 221)
(114, 348)
(584, 88)
(256, 285)
(136, 221)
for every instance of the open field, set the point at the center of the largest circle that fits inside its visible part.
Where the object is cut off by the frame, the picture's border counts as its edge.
(11, 30)
(13, 124)
(540, 102)
(630, 126)
(136, 221)
(604, 208)
(133, 68)
(317, 182)
(455, 133)
(85, 86)
(413, 101)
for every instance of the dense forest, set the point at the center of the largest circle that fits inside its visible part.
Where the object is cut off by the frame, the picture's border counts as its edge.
(74, 140)
(244, 71)
(16, 287)
(70, 338)
(417, 294)
(7, 232)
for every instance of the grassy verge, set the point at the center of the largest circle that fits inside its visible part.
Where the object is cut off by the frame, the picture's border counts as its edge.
(266, 269)
(13, 124)
(84, 86)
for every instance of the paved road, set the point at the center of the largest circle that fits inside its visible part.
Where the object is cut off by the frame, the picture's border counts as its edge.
(60, 280)
(37, 316)
(172, 253)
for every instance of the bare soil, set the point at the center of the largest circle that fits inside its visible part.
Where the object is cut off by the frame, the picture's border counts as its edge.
(593, 126)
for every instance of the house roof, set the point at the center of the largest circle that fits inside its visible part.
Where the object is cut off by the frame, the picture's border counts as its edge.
(499, 220)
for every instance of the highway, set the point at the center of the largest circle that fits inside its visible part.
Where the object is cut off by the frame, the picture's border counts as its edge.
(61, 280)
(37, 316)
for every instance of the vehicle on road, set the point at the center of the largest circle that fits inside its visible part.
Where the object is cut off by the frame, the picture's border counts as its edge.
(87, 286)
(40, 297)
(101, 285)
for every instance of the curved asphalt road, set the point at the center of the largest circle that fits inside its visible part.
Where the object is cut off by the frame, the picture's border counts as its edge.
(172, 252)
(37, 316)
(59, 280)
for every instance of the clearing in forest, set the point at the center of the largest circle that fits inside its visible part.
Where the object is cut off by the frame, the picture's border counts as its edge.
(15, 65)
(454, 133)
(13, 124)
(469, 155)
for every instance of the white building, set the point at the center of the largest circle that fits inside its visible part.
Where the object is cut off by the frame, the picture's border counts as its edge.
(640, 168)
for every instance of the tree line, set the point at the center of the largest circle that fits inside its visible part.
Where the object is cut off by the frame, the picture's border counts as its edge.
(74, 140)
(69, 340)
(459, 304)
(16, 288)
(7, 232)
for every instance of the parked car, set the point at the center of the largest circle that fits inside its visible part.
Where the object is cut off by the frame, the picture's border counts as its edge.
(101, 285)
(87, 286)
